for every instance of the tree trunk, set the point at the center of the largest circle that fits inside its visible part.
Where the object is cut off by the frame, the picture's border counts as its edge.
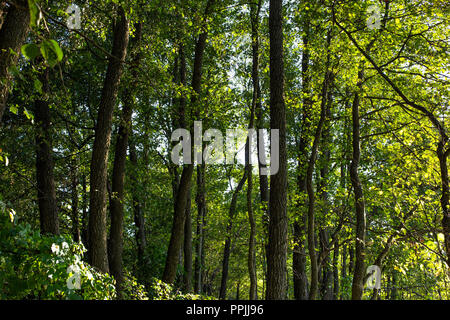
(299, 254)
(201, 212)
(139, 220)
(98, 253)
(176, 237)
(277, 248)
(48, 211)
(187, 277)
(309, 187)
(336, 271)
(254, 17)
(227, 247)
(76, 234)
(359, 272)
(12, 36)
(118, 176)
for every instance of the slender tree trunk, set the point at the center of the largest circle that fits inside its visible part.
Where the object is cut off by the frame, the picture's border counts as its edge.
(118, 176)
(12, 36)
(311, 198)
(48, 211)
(84, 219)
(98, 253)
(201, 211)
(336, 271)
(76, 234)
(227, 247)
(359, 272)
(254, 17)
(187, 277)
(299, 253)
(277, 248)
(176, 237)
(139, 220)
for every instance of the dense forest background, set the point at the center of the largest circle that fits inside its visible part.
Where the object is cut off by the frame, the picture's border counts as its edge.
(92, 207)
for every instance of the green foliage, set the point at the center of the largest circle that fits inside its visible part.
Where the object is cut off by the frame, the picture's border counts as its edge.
(163, 291)
(33, 266)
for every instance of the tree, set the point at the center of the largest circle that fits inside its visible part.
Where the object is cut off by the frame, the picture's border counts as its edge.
(277, 248)
(98, 255)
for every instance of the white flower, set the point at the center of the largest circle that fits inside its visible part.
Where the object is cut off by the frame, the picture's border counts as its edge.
(73, 269)
(55, 248)
(89, 275)
(74, 282)
(65, 246)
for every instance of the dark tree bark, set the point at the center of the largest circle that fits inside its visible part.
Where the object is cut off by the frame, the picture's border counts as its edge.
(98, 253)
(277, 248)
(336, 271)
(227, 247)
(12, 36)
(201, 213)
(359, 272)
(309, 187)
(254, 17)
(85, 218)
(118, 175)
(187, 277)
(48, 211)
(300, 278)
(139, 220)
(176, 237)
(76, 233)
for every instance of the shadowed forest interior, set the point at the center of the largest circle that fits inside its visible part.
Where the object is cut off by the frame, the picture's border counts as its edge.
(353, 97)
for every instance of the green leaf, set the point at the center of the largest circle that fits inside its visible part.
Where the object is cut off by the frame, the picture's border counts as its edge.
(51, 52)
(13, 109)
(30, 51)
(38, 86)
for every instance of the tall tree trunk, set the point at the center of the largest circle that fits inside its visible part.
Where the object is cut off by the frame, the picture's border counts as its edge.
(254, 17)
(76, 234)
(176, 237)
(309, 187)
(48, 211)
(12, 36)
(187, 277)
(84, 219)
(139, 221)
(227, 247)
(201, 211)
(98, 253)
(359, 272)
(118, 175)
(277, 248)
(336, 271)
(300, 278)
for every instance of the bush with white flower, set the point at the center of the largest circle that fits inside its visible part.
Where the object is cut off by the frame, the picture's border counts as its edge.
(33, 266)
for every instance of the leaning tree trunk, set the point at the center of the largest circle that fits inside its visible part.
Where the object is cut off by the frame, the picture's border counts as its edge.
(176, 236)
(12, 36)
(227, 247)
(98, 253)
(277, 248)
(187, 277)
(44, 162)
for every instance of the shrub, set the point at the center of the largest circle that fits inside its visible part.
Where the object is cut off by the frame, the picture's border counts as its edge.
(34, 266)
